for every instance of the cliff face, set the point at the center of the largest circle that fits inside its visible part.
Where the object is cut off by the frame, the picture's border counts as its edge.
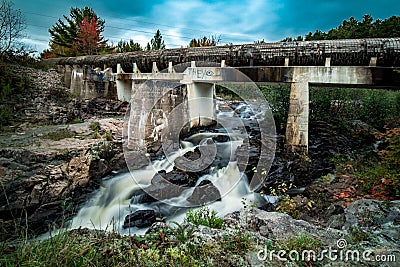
(55, 151)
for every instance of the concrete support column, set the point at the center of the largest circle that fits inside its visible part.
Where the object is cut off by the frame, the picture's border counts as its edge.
(76, 85)
(67, 75)
(201, 104)
(286, 61)
(124, 88)
(297, 123)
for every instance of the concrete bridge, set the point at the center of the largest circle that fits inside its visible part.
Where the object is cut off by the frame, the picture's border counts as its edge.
(361, 62)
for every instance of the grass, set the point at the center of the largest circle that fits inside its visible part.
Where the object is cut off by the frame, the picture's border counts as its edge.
(84, 247)
(58, 135)
(166, 246)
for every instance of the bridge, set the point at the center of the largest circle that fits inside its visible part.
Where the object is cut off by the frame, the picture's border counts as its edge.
(359, 62)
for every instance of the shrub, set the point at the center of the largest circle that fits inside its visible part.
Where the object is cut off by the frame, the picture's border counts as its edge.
(58, 135)
(204, 216)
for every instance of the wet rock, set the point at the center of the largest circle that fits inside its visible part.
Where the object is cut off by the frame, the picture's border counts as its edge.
(141, 196)
(204, 193)
(200, 159)
(140, 218)
(168, 185)
(221, 138)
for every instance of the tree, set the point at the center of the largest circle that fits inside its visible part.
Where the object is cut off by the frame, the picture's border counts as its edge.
(68, 34)
(12, 25)
(88, 40)
(367, 28)
(156, 43)
(204, 41)
(130, 46)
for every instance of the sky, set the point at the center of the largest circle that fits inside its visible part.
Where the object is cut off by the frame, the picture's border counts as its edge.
(234, 21)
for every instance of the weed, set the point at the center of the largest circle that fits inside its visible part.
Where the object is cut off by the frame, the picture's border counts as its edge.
(95, 126)
(181, 233)
(357, 235)
(58, 135)
(204, 216)
(299, 243)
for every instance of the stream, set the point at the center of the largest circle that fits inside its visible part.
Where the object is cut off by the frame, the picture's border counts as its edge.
(114, 200)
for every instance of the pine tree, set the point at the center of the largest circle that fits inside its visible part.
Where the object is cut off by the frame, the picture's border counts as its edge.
(157, 43)
(65, 34)
(130, 46)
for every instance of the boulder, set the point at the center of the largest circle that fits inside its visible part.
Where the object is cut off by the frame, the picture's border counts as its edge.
(204, 193)
(140, 218)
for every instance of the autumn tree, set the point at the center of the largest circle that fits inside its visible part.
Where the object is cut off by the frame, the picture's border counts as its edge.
(88, 40)
(67, 37)
(12, 25)
(156, 43)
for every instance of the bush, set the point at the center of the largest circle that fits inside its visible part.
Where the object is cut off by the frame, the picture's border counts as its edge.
(58, 135)
(278, 98)
(376, 107)
(204, 216)
(382, 179)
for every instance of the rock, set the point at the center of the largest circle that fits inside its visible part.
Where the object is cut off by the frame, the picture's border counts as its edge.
(200, 159)
(371, 213)
(204, 193)
(141, 196)
(276, 225)
(140, 218)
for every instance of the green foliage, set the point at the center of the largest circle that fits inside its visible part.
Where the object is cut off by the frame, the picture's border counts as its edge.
(375, 107)
(382, 179)
(204, 41)
(11, 87)
(58, 135)
(357, 235)
(65, 33)
(239, 242)
(130, 46)
(156, 43)
(94, 126)
(299, 243)
(287, 206)
(204, 216)
(278, 98)
(98, 133)
(6, 115)
(181, 233)
(367, 28)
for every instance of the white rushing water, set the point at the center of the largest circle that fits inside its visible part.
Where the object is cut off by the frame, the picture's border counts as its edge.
(109, 206)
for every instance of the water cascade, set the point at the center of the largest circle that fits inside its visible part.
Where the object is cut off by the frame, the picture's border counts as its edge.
(108, 206)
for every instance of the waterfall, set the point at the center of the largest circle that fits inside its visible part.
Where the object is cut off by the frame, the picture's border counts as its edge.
(108, 207)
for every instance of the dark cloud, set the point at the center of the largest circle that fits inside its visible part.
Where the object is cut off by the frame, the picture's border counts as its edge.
(236, 21)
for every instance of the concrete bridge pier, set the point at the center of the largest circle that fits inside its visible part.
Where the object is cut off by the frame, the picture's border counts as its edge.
(297, 121)
(76, 80)
(124, 86)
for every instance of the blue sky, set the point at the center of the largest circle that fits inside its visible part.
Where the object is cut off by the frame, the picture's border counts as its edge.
(235, 21)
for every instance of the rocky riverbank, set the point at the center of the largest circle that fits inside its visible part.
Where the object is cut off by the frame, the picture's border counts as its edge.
(56, 151)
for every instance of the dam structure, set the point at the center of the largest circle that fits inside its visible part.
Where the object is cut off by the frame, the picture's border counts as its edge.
(194, 72)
